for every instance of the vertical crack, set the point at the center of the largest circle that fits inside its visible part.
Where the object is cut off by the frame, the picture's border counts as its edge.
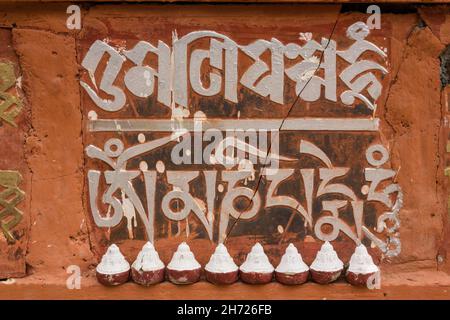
(282, 123)
(83, 158)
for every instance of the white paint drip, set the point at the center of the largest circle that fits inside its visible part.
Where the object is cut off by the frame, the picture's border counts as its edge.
(141, 137)
(292, 262)
(130, 214)
(221, 261)
(257, 261)
(113, 262)
(327, 259)
(183, 259)
(361, 262)
(148, 259)
(160, 167)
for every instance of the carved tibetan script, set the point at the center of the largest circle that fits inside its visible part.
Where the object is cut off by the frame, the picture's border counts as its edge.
(205, 136)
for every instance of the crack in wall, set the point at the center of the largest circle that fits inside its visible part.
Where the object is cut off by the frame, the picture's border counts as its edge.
(30, 132)
(85, 12)
(443, 131)
(282, 122)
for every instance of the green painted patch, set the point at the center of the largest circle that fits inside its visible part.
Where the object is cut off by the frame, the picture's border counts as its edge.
(10, 197)
(10, 105)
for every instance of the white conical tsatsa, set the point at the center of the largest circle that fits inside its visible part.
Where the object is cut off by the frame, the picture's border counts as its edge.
(291, 262)
(113, 262)
(361, 262)
(327, 260)
(257, 261)
(183, 259)
(221, 261)
(148, 259)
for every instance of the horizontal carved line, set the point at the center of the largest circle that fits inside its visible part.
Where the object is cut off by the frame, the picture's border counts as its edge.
(290, 124)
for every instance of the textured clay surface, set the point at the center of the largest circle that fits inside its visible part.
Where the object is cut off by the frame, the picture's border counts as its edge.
(184, 277)
(47, 147)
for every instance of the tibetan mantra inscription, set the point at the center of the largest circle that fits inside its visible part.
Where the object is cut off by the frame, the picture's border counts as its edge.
(211, 136)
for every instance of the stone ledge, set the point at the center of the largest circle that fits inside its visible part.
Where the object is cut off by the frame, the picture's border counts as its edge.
(207, 291)
(412, 285)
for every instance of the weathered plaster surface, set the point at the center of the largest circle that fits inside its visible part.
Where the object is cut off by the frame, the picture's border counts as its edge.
(413, 110)
(47, 55)
(58, 235)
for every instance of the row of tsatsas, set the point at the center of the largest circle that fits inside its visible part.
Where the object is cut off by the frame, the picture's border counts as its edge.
(148, 268)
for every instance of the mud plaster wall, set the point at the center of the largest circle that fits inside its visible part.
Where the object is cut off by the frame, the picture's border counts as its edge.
(57, 236)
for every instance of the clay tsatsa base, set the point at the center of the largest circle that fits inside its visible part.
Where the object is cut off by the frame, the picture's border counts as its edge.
(292, 279)
(184, 276)
(323, 277)
(222, 278)
(147, 278)
(113, 279)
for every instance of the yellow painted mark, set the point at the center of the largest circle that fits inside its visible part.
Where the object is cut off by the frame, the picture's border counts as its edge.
(10, 105)
(10, 197)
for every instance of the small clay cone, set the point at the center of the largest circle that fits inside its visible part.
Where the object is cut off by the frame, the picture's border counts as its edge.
(148, 268)
(292, 270)
(361, 267)
(256, 268)
(327, 267)
(113, 269)
(221, 268)
(183, 268)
